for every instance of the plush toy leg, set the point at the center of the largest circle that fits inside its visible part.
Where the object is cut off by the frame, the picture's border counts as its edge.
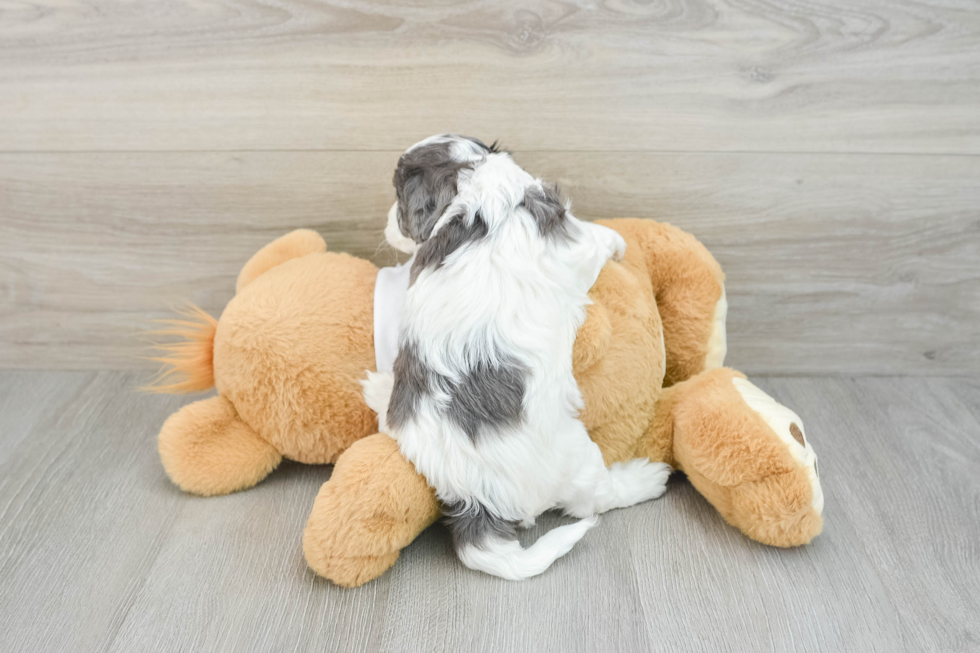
(207, 449)
(746, 454)
(689, 287)
(373, 506)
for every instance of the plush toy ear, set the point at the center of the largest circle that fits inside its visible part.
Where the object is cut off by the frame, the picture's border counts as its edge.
(425, 184)
(293, 245)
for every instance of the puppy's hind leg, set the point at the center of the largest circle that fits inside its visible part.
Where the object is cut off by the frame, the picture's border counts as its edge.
(618, 486)
(632, 482)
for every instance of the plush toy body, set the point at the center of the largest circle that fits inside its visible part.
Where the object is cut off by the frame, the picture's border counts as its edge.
(289, 350)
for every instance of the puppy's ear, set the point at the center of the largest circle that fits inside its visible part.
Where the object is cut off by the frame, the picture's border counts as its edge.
(547, 208)
(425, 184)
(451, 236)
(493, 148)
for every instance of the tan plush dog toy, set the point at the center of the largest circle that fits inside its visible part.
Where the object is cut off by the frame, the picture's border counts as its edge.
(290, 348)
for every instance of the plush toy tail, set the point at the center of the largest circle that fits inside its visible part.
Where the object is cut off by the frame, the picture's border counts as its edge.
(187, 363)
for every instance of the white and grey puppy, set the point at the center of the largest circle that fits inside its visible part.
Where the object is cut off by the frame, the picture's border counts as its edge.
(483, 401)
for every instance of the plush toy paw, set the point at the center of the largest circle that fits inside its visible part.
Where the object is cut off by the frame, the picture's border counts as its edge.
(748, 456)
(374, 504)
(788, 426)
(207, 449)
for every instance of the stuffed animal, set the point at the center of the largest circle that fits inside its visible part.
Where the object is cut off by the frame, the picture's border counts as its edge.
(290, 349)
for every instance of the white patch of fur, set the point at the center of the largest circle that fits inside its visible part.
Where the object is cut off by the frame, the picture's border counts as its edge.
(393, 234)
(377, 393)
(518, 295)
(779, 418)
(718, 341)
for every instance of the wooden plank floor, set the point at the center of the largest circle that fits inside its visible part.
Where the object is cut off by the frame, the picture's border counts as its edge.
(99, 552)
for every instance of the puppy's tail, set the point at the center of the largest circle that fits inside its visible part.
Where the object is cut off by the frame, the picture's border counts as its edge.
(489, 544)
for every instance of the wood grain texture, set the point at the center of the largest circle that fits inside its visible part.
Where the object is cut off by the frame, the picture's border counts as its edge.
(98, 552)
(826, 152)
(836, 263)
(691, 75)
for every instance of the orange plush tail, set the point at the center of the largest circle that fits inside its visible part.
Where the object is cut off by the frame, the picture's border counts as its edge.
(187, 363)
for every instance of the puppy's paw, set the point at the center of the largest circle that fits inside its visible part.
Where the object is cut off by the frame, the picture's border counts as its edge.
(610, 243)
(619, 247)
(638, 480)
(376, 389)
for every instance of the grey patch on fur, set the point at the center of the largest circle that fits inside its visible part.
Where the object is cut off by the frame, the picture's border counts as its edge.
(488, 398)
(412, 379)
(475, 525)
(425, 184)
(546, 207)
(454, 234)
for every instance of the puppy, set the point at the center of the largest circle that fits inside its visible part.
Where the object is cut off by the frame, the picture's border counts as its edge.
(483, 401)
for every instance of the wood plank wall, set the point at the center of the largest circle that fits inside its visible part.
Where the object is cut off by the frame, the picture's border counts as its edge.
(827, 153)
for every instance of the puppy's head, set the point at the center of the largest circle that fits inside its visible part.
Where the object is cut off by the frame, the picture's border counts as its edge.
(426, 183)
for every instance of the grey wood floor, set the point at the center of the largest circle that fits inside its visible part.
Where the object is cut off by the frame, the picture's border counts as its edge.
(99, 552)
